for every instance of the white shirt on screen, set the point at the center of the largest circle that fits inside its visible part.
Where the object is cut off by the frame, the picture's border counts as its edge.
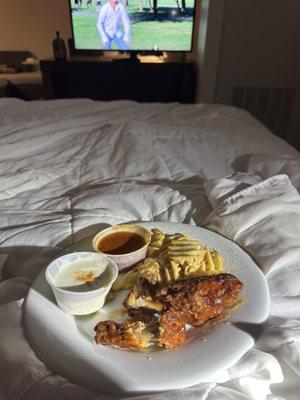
(110, 22)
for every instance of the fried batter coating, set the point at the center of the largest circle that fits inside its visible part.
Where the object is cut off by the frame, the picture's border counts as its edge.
(200, 299)
(172, 331)
(130, 335)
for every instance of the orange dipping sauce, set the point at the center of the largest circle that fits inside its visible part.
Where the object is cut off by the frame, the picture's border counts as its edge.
(121, 243)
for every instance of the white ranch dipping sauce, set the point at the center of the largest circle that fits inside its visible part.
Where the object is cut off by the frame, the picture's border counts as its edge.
(81, 281)
(83, 276)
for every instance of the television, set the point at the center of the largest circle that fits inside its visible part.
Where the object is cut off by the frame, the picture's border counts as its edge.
(141, 26)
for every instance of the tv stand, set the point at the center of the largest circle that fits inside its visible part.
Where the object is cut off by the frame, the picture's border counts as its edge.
(133, 58)
(139, 81)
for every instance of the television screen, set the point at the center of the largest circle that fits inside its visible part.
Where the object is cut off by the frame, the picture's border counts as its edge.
(136, 25)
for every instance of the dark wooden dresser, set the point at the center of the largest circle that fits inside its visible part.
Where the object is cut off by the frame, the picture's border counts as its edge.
(116, 80)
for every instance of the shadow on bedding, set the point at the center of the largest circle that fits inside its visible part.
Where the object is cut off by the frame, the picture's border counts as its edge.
(28, 261)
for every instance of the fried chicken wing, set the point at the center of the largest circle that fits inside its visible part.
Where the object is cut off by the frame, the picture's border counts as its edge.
(167, 312)
(200, 299)
(129, 334)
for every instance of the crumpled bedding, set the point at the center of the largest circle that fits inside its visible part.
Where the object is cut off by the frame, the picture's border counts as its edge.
(70, 167)
(264, 219)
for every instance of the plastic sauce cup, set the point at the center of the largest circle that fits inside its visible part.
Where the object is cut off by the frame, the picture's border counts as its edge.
(128, 259)
(80, 303)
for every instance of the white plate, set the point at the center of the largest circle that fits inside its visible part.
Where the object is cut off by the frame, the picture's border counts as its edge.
(60, 341)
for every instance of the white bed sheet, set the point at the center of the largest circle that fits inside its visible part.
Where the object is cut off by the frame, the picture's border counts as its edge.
(72, 166)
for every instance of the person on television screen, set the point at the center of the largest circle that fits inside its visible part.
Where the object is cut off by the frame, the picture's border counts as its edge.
(114, 25)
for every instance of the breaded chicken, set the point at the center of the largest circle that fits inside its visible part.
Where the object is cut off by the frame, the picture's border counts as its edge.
(129, 334)
(200, 299)
(194, 302)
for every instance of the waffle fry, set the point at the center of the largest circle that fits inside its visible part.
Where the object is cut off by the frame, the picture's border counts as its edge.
(173, 258)
(156, 242)
(125, 280)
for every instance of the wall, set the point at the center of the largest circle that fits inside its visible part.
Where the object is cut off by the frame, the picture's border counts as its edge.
(260, 43)
(260, 47)
(207, 51)
(31, 25)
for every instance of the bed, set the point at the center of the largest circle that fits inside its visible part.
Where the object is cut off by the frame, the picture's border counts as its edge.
(68, 167)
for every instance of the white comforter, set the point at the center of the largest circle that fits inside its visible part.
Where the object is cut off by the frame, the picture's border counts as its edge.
(69, 167)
